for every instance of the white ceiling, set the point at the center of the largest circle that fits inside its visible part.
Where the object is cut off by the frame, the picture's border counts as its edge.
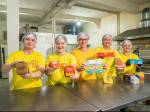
(138, 1)
(42, 5)
(85, 12)
(42, 11)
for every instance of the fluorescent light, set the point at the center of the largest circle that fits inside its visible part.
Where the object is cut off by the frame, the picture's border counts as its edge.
(3, 11)
(21, 13)
(78, 23)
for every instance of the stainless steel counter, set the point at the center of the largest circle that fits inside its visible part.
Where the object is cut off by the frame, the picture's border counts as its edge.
(84, 96)
(42, 99)
(108, 96)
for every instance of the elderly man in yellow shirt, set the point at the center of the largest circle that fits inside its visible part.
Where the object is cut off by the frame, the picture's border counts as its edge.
(61, 66)
(108, 54)
(27, 65)
(82, 54)
(126, 55)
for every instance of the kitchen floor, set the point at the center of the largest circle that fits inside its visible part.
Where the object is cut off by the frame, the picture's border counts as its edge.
(139, 106)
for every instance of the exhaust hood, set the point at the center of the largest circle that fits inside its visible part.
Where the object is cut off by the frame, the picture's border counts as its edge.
(143, 32)
(134, 34)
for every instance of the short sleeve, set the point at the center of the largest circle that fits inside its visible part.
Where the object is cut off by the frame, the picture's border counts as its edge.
(117, 54)
(49, 59)
(73, 60)
(73, 52)
(41, 61)
(10, 58)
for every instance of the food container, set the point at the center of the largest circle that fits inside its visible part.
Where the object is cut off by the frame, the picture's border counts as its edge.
(107, 79)
(134, 79)
(140, 75)
(103, 55)
(134, 61)
(69, 71)
(54, 64)
(22, 68)
(94, 66)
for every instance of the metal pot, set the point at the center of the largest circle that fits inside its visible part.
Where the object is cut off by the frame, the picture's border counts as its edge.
(146, 13)
(145, 23)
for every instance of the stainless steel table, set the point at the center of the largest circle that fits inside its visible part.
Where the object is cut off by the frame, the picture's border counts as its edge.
(108, 96)
(84, 96)
(42, 99)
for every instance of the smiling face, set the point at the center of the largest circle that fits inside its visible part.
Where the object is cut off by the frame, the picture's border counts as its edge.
(83, 39)
(60, 45)
(107, 41)
(127, 47)
(83, 42)
(29, 42)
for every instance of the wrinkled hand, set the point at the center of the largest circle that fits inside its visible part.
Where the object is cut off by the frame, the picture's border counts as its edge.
(105, 66)
(13, 65)
(120, 67)
(76, 76)
(27, 75)
(49, 70)
(82, 67)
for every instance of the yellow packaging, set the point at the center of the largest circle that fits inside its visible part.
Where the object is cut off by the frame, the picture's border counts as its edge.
(141, 75)
(107, 79)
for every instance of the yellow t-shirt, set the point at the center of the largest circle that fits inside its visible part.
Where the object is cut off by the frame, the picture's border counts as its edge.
(34, 61)
(109, 61)
(57, 76)
(81, 58)
(132, 68)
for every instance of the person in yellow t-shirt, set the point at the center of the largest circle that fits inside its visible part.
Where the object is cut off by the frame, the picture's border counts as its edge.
(110, 55)
(82, 54)
(126, 55)
(57, 62)
(33, 65)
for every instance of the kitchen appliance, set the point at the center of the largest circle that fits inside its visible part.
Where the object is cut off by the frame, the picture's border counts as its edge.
(134, 34)
(142, 32)
(145, 55)
(145, 22)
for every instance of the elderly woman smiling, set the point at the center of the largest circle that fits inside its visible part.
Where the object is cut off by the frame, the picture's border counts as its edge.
(126, 55)
(59, 63)
(27, 65)
(82, 54)
(113, 54)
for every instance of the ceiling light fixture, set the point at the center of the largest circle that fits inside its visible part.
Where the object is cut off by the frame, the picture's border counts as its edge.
(78, 23)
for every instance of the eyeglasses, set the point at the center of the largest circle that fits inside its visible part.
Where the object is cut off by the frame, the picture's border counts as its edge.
(83, 39)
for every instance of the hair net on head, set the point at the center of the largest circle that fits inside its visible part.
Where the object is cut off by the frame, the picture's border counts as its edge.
(82, 34)
(62, 37)
(106, 35)
(29, 35)
(126, 42)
